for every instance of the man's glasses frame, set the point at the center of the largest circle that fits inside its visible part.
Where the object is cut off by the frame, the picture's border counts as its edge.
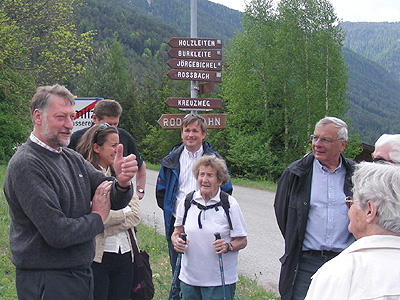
(325, 141)
(349, 201)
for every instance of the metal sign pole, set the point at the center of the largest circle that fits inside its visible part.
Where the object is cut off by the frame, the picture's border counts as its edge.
(193, 34)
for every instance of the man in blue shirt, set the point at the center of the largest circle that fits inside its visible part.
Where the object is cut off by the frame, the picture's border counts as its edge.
(310, 208)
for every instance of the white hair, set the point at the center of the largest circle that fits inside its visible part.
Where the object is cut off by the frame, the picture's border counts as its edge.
(343, 134)
(380, 183)
(393, 141)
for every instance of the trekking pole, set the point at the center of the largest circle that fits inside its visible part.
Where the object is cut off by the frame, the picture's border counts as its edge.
(177, 267)
(221, 266)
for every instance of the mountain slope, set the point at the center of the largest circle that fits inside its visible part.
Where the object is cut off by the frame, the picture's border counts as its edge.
(374, 97)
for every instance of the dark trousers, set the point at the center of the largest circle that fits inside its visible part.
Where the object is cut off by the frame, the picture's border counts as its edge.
(64, 284)
(173, 255)
(310, 262)
(113, 276)
(190, 292)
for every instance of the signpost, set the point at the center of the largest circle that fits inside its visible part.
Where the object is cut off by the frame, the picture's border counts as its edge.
(192, 64)
(193, 103)
(195, 59)
(174, 121)
(196, 75)
(195, 43)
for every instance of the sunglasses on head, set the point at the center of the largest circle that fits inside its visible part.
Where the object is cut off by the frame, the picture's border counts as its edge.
(101, 127)
(194, 115)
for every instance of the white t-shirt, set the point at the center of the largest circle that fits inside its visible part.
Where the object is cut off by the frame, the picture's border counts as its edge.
(200, 263)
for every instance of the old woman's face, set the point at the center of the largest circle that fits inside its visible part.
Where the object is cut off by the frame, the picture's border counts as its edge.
(358, 224)
(208, 182)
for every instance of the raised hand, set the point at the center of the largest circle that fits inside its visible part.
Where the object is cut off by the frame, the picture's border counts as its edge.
(101, 200)
(125, 167)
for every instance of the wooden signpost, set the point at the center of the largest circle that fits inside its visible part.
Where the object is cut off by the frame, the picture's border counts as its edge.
(195, 59)
(174, 121)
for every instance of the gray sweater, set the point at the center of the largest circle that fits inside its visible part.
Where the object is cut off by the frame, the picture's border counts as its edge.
(49, 197)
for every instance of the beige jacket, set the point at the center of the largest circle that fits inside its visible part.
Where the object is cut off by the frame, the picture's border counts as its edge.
(117, 222)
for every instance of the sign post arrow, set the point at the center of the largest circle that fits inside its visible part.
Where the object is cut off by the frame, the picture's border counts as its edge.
(174, 121)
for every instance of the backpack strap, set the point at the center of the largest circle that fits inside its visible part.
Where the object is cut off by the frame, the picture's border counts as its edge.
(224, 203)
(226, 206)
(188, 202)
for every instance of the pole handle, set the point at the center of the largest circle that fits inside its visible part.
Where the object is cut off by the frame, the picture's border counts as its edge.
(217, 236)
(183, 236)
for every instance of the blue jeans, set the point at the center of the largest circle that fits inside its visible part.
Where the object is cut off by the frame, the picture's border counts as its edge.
(308, 265)
(173, 255)
(190, 292)
(113, 276)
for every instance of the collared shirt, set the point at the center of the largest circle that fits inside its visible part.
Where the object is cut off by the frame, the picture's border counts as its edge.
(42, 144)
(368, 269)
(327, 219)
(187, 182)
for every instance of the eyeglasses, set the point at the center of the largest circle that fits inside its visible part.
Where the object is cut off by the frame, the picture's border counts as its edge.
(349, 201)
(380, 159)
(101, 127)
(325, 141)
(196, 116)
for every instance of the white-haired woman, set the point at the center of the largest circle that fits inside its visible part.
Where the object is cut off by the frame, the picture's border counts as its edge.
(200, 271)
(370, 267)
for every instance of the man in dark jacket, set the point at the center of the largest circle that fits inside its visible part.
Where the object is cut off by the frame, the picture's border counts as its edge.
(175, 179)
(310, 208)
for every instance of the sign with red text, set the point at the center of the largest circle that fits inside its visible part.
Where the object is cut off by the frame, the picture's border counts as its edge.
(84, 112)
(174, 121)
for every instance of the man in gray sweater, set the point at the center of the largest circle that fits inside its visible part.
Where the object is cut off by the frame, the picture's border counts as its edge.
(58, 202)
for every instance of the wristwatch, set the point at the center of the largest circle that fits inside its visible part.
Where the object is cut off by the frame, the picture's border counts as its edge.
(141, 191)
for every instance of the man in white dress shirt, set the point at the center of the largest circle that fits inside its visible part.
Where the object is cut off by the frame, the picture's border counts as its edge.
(175, 179)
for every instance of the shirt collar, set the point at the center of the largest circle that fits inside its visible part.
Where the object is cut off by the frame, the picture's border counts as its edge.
(325, 169)
(196, 154)
(35, 139)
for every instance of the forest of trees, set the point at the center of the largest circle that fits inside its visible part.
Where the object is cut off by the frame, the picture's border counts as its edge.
(283, 70)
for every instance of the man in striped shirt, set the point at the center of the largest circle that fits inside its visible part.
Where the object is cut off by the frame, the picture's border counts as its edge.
(175, 179)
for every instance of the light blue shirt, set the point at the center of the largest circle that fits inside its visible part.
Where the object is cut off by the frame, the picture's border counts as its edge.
(327, 219)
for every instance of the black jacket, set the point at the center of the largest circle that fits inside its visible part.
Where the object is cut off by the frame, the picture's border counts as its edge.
(292, 202)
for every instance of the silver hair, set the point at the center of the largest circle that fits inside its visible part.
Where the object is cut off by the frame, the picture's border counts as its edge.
(393, 141)
(343, 134)
(45, 94)
(379, 183)
(218, 164)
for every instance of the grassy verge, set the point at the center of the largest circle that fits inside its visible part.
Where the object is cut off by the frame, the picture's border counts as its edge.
(148, 239)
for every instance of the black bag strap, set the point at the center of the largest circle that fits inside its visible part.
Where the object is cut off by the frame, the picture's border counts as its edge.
(224, 203)
(133, 242)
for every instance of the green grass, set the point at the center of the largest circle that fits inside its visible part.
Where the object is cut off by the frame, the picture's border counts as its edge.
(148, 239)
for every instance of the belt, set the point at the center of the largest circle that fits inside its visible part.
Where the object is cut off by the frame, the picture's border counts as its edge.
(322, 253)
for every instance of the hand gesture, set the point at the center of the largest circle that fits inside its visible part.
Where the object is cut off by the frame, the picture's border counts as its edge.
(125, 167)
(101, 200)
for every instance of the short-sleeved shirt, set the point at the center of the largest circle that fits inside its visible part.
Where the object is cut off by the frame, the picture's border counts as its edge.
(200, 263)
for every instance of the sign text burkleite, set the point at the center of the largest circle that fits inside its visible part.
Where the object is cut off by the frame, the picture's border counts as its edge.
(84, 112)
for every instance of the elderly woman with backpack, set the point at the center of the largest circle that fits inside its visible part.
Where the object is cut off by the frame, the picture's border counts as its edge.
(215, 230)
